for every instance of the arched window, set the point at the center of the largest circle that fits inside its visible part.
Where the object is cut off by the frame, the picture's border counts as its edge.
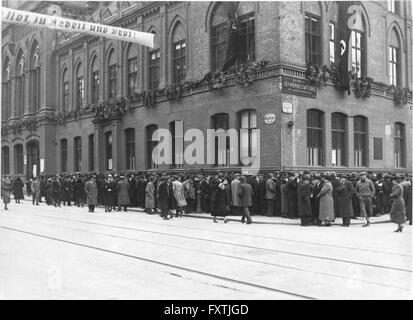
(95, 80)
(80, 86)
(112, 75)
(315, 140)
(19, 86)
(108, 150)
(358, 48)
(332, 23)
(65, 90)
(77, 147)
(360, 141)
(178, 54)
(399, 145)
(221, 121)
(242, 46)
(91, 148)
(248, 134)
(5, 90)
(154, 57)
(130, 149)
(394, 58)
(339, 141)
(132, 63)
(34, 77)
(312, 32)
(150, 145)
(63, 155)
(18, 159)
(5, 160)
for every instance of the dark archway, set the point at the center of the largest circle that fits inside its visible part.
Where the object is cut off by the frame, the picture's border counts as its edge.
(33, 158)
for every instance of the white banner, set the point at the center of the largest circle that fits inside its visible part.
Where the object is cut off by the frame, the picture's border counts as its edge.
(69, 25)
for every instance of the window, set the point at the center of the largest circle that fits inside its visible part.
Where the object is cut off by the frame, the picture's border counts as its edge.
(18, 159)
(130, 148)
(80, 91)
(378, 148)
(77, 144)
(113, 82)
(394, 58)
(108, 151)
(357, 53)
(248, 138)
(218, 46)
(5, 160)
(34, 78)
(179, 62)
(360, 141)
(220, 121)
(19, 86)
(6, 90)
(95, 81)
(399, 145)
(393, 6)
(132, 75)
(150, 145)
(65, 91)
(154, 68)
(246, 50)
(91, 141)
(339, 144)
(176, 129)
(333, 37)
(312, 39)
(315, 141)
(63, 155)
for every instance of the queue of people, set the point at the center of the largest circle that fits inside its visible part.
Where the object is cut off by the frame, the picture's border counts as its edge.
(315, 199)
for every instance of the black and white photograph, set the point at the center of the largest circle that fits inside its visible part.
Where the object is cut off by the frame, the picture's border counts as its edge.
(202, 150)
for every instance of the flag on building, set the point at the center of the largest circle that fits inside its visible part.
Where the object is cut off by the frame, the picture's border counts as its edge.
(343, 47)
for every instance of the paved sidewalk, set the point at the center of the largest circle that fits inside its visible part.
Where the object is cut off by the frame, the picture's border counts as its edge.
(259, 219)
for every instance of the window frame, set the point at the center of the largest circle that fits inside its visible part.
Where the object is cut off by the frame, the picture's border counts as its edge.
(399, 145)
(18, 159)
(178, 61)
(154, 69)
(91, 152)
(63, 155)
(312, 133)
(150, 145)
(77, 154)
(132, 75)
(394, 65)
(309, 36)
(361, 138)
(5, 160)
(112, 81)
(250, 114)
(339, 134)
(130, 155)
(216, 45)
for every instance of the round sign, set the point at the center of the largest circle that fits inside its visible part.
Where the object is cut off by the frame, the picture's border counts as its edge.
(269, 118)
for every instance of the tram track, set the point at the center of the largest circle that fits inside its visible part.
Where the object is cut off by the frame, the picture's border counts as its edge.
(170, 265)
(219, 255)
(231, 243)
(262, 236)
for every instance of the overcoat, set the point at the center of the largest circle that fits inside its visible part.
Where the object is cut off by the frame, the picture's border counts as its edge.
(292, 194)
(178, 191)
(109, 193)
(235, 184)
(270, 190)
(326, 206)
(150, 196)
(397, 211)
(245, 195)
(219, 203)
(17, 186)
(91, 191)
(5, 190)
(163, 194)
(304, 200)
(345, 193)
(123, 189)
(35, 187)
(78, 190)
(284, 198)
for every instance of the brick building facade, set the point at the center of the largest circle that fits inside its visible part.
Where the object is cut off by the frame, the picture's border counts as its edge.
(77, 103)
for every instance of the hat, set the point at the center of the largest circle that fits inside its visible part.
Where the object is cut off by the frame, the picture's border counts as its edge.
(305, 177)
(363, 173)
(397, 177)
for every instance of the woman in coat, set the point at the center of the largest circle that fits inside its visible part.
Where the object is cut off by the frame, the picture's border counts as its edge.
(397, 211)
(123, 189)
(91, 191)
(109, 194)
(220, 203)
(178, 191)
(5, 191)
(326, 206)
(17, 187)
(345, 193)
(304, 201)
(150, 196)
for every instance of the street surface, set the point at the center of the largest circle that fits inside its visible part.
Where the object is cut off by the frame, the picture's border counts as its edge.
(68, 253)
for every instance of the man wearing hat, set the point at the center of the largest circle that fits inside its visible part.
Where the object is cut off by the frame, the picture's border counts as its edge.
(365, 191)
(397, 212)
(35, 187)
(304, 201)
(270, 195)
(245, 195)
(123, 189)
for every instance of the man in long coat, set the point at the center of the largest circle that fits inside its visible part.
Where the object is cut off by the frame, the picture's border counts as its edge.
(304, 201)
(270, 195)
(56, 191)
(17, 187)
(123, 189)
(292, 189)
(109, 194)
(35, 188)
(397, 212)
(78, 191)
(163, 194)
(245, 195)
(235, 184)
(326, 205)
(150, 196)
(67, 190)
(345, 193)
(91, 191)
(5, 191)
(179, 195)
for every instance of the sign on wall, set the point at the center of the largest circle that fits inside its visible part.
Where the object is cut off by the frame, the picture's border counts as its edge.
(298, 87)
(269, 118)
(287, 107)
